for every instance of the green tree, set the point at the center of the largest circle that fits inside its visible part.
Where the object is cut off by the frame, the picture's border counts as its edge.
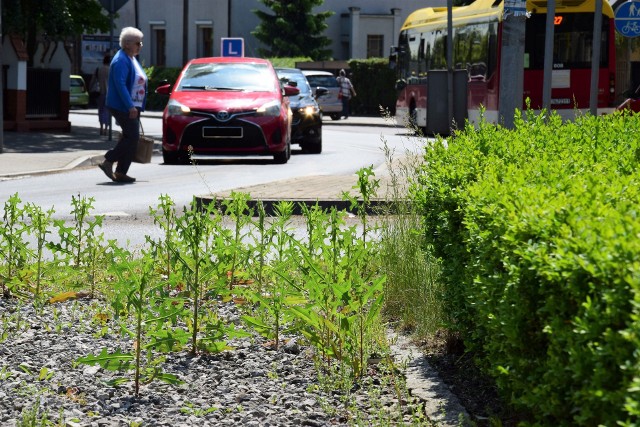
(51, 20)
(293, 30)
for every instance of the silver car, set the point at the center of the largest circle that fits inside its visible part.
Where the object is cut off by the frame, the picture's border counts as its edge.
(330, 104)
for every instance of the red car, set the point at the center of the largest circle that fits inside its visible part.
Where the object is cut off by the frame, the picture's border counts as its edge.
(226, 106)
(632, 102)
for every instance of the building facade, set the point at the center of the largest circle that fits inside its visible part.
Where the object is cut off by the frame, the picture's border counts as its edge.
(357, 29)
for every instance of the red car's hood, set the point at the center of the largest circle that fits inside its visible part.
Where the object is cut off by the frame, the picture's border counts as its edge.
(229, 101)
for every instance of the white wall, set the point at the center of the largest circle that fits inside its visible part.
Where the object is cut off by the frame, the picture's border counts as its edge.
(54, 56)
(17, 70)
(239, 21)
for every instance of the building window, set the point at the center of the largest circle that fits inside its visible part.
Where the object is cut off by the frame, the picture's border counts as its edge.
(158, 46)
(205, 41)
(375, 43)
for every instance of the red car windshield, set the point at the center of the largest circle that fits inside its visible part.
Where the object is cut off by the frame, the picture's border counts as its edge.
(228, 77)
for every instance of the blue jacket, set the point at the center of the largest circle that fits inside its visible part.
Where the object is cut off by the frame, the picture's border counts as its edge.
(122, 76)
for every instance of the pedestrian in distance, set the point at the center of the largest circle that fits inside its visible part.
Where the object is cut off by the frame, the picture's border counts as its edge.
(126, 99)
(102, 76)
(346, 91)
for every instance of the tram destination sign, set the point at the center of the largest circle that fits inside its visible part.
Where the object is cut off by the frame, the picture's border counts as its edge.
(627, 19)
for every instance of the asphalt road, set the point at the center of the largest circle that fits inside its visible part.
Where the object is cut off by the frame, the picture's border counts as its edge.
(126, 207)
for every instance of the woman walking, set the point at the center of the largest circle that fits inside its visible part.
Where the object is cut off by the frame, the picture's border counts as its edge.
(102, 75)
(126, 98)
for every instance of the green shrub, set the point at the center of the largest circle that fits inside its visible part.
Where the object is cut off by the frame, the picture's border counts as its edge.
(374, 83)
(157, 76)
(537, 230)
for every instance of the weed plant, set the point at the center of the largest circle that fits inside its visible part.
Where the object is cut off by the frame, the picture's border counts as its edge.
(14, 251)
(328, 287)
(33, 416)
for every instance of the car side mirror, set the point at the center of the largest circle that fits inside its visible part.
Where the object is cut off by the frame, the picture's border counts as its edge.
(164, 89)
(291, 91)
(401, 84)
(320, 91)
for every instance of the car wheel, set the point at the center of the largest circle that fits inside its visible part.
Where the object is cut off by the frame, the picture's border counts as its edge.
(335, 116)
(170, 157)
(283, 156)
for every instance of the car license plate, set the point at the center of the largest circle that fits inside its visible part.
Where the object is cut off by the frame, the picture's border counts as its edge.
(221, 132)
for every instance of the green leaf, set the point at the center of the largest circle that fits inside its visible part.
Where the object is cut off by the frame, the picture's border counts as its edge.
(169, 378)
(257, 324)
(110, 361)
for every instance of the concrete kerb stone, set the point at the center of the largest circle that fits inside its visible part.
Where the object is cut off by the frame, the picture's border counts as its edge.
(441, 406)
(324, 191)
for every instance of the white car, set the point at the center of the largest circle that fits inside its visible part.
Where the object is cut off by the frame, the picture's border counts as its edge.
(330, 104)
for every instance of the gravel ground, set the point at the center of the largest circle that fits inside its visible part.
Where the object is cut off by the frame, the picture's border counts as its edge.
(252, 385)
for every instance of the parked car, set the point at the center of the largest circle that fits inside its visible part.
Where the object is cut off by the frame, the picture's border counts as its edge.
(632, 102)
(78, 94)
(330, 104)
(227, 106)
(306, 127)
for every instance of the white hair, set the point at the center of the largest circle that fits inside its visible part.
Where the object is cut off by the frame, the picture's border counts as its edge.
(129, 33)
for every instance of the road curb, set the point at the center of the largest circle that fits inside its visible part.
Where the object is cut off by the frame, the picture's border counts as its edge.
(327, 190)
(441, 406)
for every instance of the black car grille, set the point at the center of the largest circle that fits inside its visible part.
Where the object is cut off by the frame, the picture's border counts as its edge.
(296, 119)
(213, 134)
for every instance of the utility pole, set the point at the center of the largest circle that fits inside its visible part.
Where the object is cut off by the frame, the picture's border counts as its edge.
(185, 31)
(595, 58)
(512, 64)
(112, 11)
(548, 55)
(450, 63)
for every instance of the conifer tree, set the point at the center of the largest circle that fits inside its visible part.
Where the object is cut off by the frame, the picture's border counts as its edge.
(293, 29)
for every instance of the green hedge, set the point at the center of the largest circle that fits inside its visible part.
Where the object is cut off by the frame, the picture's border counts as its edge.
(156, 76)
(538, 229)
(374, 82)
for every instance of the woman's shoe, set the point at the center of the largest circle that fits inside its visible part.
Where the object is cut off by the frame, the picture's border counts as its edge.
(124, 178)
(107, 168)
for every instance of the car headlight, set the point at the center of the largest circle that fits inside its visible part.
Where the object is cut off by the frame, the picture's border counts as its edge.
(309, 111)
(174, 108)
(270, 109)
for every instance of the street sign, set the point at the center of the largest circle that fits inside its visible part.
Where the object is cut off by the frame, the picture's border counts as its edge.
(117, 4)
(232, 46)
(515, 7)
(627, 19)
